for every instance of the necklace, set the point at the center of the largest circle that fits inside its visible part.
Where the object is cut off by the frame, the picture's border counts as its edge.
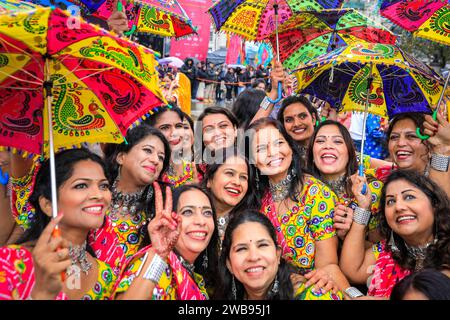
(222, 223)
(78, 256)
(189, 266)
(124, 203)
(419, 253)
(280, 190)
(338, 185)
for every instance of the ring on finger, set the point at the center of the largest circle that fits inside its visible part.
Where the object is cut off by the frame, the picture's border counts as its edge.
(60, 255)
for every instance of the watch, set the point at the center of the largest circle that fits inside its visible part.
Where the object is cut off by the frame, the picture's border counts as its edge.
(353, 293)
(265, 103)
(440, 162)
(361, 216)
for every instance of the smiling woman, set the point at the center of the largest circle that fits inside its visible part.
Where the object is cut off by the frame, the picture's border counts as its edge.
(33, 266)
(184, 249)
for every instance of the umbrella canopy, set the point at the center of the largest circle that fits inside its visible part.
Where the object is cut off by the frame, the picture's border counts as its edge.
(7, 6)
(97, 85)
(426, 19)
(400, 82)
(173, 61)
(255, 19)
(307, 35)
(163, 18)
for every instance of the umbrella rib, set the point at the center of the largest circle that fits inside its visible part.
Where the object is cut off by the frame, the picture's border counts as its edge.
(18, 79)
(24, 52)
(28, 73)
(19, 88)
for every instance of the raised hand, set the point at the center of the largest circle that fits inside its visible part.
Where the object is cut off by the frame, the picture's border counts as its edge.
(118, 21)
(439, 132)
(321, 280)
(50, 259)
(364, 200)
(164, 229)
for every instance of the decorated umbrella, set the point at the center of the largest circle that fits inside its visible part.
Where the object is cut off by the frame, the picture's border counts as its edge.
(173, 61)
(426, 19)
(164, 18)
(371, 77)
(7, 6)
(254, 20)
(309, 34)
(62, 86)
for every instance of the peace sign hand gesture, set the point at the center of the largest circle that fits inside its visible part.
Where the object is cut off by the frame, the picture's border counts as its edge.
(164, 229)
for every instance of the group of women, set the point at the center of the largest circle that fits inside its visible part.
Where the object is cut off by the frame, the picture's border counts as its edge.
(181, 214)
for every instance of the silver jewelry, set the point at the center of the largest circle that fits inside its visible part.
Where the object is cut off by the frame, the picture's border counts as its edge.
(222, 223)
(440, 162)
(265, 104)
(77, 255)
(205, 260)
(419, 253)
(280, 190)
(361, 216)
(338, 185)
(156, 269)
(353, 292)
(189, 266)
(233, 288)
(392, 244)
(275, 287)
(125, 203)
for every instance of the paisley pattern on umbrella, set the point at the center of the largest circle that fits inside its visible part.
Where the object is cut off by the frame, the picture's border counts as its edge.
(308, 35)
(255, 19)
(400, 83)
(101, 84)
(426, 19)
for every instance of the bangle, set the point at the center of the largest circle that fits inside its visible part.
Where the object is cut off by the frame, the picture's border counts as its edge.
(265, 103)
(353, 293)
(440, 162)
(361, 216)
(155, 270)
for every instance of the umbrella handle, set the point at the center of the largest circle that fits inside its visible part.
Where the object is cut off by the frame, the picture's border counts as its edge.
(120, 9)
(361, 174)
(4, 177)
(424, 136)
(280, 94)
(56, 233)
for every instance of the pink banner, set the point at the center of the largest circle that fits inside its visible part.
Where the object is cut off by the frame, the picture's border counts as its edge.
(197, 45)
(234, 47)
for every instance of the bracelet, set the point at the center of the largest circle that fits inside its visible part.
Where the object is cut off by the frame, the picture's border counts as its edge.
(265, 103)
(353, 292)
(361, 216)
(440, 162)
(156, 269)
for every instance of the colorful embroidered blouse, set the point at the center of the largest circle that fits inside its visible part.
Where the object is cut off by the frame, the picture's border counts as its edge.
(187, 176)
(309, 293)
(310, 220)
(17, 277)
(386, 272)
(175, 283)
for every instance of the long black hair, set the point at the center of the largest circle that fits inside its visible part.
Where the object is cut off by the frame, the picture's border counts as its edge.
(246, 106)
(224, 289)
(352, 164)
(65, 162)
(433, 284)
(438, 254)
(212, 250)
(151, 121)
(249, 200)
(296, 164)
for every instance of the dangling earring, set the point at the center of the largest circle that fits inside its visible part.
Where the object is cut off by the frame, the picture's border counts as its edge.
(257, 179)
(118, 172)
(392, 244)
(205, 260)
(233, 288)
(275, 287)
(149, 194)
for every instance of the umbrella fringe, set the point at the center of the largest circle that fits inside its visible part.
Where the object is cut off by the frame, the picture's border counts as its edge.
(147, 115)
(25, 154)
(429, 38)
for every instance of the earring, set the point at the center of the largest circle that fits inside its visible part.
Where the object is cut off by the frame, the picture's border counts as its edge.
(205, 260)
(118, 172)
(233, 288)
(275, 287)
(149, 194)
(257, 179)
(392, 244)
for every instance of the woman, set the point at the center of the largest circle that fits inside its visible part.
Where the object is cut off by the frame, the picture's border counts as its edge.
(169, 120)
(299, 118)
(219, 130)
(32, 268)
(415, 227)
(133, 167)
(246, 106)
(332, 159)
(228, 180)
(184, 247)
(428, 284)
(300, 207)
(251, 266)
